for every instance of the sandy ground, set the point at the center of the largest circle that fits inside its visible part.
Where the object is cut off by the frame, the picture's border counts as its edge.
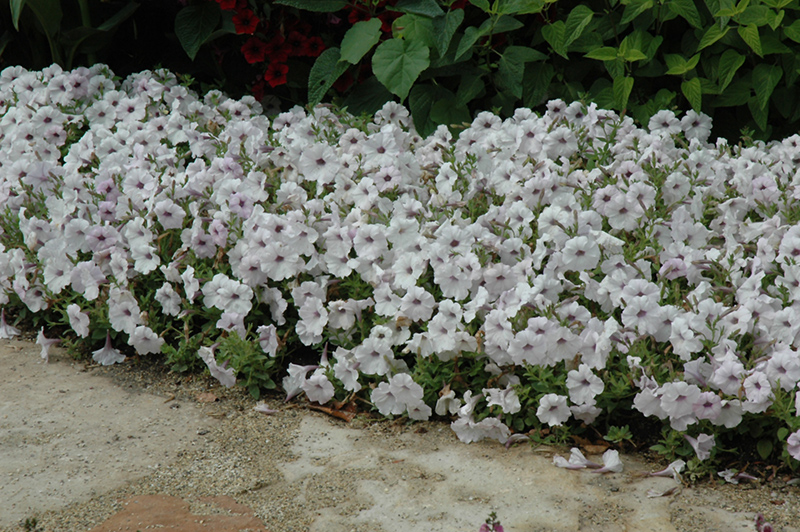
(136, 448)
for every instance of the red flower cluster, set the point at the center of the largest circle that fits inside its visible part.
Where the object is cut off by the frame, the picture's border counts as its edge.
(289, 39)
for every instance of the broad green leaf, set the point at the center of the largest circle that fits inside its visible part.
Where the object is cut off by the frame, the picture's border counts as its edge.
(471, 36)
(428, 8)
(734, 10)
(634, 8)
(445, 27)
(793, 31)
(676, 64)
(520, 7)
(757, 15)
(367, 97)
(615, 68)
(320, 6)
(605, 53)
(397, 64)
(326, 70)
(623, 86)
(360, 39)
(764, 448)
(536, 83)
(729, 63)
(483, 4)
(415, 28)
(554, 35)
(765, 79)
(693, 92)
(771, 42)
(444, 112)
(577, 21)
(737, 93)
(194, 24)
(511, 67)
(774, 19)
(633, 54)
(760, 114)
(749, 34)
(470, 87)
(420, 100)
(687, 10)
(506, 23)
(712, 35)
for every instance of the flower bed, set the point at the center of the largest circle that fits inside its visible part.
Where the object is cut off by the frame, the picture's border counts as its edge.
(540, 275)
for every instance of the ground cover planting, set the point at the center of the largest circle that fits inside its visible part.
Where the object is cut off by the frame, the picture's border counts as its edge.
(532, 278)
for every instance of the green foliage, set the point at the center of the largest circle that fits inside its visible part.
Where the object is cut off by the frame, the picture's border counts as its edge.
(56, 33)
(254, 369)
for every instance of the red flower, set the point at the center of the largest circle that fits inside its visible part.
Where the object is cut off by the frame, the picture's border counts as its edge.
(254, 50)
(295, 43)
(357, 15)
(276, 74)
(258, 89)
(245, 21)
(313, 47)
(458, 4)
(227, 5)
(387, 18)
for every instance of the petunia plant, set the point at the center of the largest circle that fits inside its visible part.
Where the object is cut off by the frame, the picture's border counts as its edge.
(532, 278)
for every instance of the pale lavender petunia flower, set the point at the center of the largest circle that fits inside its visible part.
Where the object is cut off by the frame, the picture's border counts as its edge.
(702, 445)
(46, 344)
(224, 375)
(79, 321)
(107, 355)
(6, 331)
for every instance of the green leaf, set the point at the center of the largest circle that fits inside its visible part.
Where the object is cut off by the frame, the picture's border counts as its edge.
(470, 87)
(605, 53)
(367, 97)
(320, 6)
(633, 54)
(693, 92)
(622, 91)
(398, 63)
(520, 7)
(765, 79)
(729, 63)
(420, 100)
(733, 10)
(511, 67)
(360, 39)
(634, 8)
(749, 34)
(119, 17)
(554, 35)
(16, 10)
(756, 15)
(678, 65)
(764, 448)
(483, 4)
(194, 24)
(444, 112)
(782, 433)
(536, 83)
(712, 35)
(738, 93)
(428, 8)
(506, 23)
(415, 28)
(577, 21)
(793, 31)
(326, 70)
(471, 36)
(687, 10)
(445, 27)
(774, 19)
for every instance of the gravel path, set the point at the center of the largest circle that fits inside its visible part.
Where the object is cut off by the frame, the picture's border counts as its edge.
(189, 441)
